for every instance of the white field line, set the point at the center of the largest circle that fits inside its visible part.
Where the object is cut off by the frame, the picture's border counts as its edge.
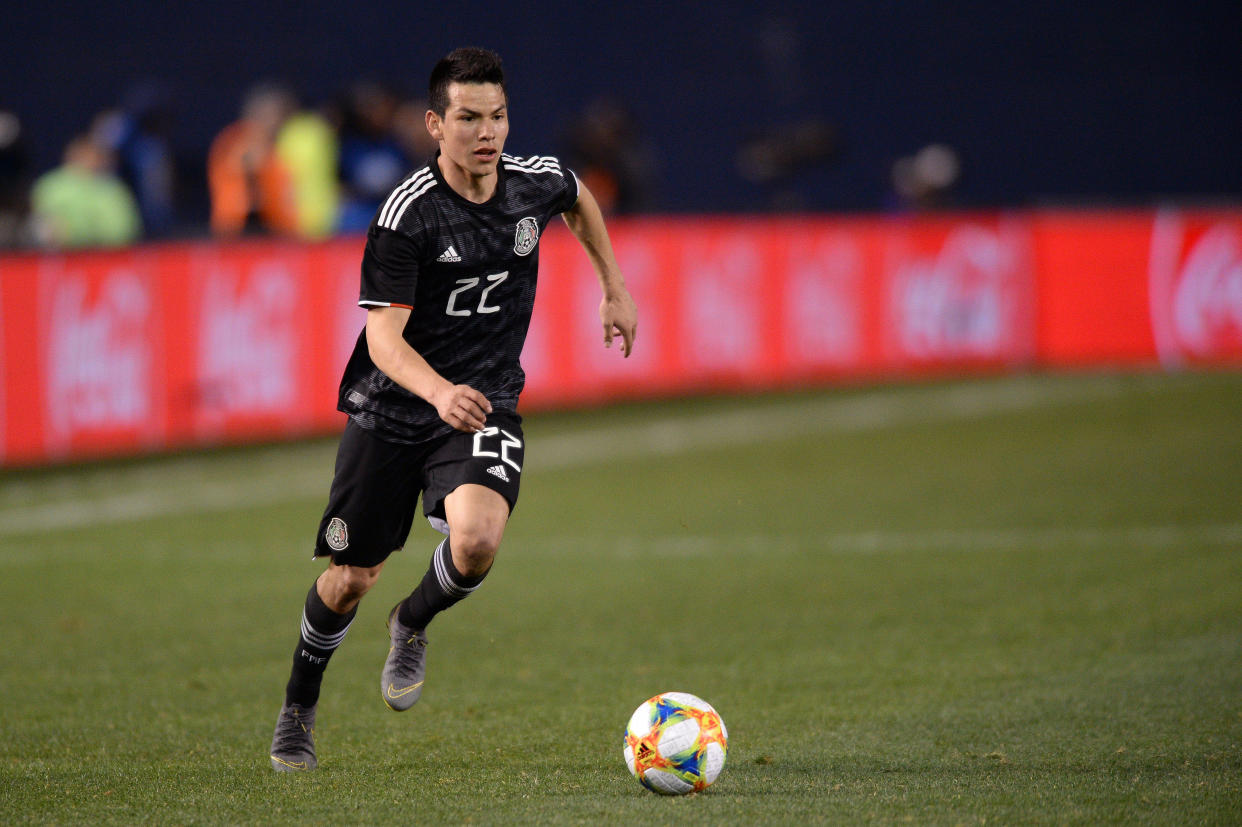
(196, 485)
(880, 542)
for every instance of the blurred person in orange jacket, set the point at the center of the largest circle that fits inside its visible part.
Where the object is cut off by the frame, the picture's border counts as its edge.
(250, 187)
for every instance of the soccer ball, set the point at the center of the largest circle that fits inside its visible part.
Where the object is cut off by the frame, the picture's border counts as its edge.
(675, 744)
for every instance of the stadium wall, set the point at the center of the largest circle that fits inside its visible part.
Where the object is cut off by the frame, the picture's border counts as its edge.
(168, 346)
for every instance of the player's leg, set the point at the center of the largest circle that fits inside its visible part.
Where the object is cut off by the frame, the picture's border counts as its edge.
(476, 518)
(472, 486)
(330, 607)
(327, 614)
(369, 512)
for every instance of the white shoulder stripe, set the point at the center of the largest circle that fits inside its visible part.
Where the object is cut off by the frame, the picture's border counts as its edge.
(533, 162)
(400, 190)
(515, 168)
(419, 177)
(413, 182)
(535, 165)
(549, 163)
(536, 160)
(410, 180)
(405, 204)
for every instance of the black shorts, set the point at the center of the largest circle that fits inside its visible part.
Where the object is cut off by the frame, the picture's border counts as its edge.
(377, 484)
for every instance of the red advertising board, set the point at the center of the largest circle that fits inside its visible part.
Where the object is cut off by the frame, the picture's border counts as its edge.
(201, 343)
(1195, 287)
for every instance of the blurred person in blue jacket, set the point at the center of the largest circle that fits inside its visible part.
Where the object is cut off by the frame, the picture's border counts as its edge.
(372, 160)
(138, 133)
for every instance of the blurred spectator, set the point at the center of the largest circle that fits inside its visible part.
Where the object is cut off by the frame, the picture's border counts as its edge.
(306, 147)
(926, 180)
(778, 157)
(373, 159)
(14, 181)
(139, 134)
(409, 125)
(606, 149)
(82, 202)
(250, 188)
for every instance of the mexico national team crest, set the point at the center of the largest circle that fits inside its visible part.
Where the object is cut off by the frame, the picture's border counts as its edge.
(337, 534)
(527, 236)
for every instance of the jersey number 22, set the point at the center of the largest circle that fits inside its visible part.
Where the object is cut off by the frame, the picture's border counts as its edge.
(469, 284)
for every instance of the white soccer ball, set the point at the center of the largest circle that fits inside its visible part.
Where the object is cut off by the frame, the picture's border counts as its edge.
(675, 744)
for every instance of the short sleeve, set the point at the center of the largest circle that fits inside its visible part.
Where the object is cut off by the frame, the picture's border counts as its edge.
(569, 193)
(389, 269)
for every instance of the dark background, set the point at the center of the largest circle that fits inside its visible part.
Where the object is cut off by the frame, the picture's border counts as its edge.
(1046, 102)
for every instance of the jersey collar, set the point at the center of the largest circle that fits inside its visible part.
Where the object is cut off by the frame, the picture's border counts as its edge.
(434, 163)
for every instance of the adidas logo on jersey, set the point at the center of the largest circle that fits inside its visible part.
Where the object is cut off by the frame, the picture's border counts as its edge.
(498, 471)
(449, 255)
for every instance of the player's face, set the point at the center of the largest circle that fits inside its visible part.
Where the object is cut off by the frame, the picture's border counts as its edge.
(474, 127)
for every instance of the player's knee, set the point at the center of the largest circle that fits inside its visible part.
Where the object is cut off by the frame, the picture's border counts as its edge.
(474, 548)
(476, 518)
(349, 583)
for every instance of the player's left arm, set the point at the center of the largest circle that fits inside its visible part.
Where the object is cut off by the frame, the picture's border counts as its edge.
(617, 310)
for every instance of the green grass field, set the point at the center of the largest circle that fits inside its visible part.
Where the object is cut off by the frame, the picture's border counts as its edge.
(1012, 600)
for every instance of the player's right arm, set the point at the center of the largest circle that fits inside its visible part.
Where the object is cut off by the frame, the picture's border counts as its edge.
(461, 406)
(390, 270)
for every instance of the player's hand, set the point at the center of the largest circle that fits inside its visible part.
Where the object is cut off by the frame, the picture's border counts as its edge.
(462, 407)
(619, 315)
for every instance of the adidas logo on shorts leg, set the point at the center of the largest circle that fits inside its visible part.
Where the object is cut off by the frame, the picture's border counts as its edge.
(498, 471)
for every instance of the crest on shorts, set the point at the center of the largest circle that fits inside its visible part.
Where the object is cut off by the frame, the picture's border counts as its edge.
(527, 236)
(337, 534)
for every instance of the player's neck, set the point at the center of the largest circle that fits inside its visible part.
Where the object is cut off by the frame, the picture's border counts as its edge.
(477, 189)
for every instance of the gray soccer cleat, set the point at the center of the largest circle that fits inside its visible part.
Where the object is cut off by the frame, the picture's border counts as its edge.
(402, 680)
(293, 745)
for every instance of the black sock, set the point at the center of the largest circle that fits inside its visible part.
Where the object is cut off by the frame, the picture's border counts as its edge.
(442, 586)
(322, 631)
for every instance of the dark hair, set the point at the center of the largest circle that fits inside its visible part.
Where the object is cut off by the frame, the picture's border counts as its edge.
(465, 65)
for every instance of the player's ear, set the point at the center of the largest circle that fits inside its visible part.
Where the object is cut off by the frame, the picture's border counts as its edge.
(435, 126)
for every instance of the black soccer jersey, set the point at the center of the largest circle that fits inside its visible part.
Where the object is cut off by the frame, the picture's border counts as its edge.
(468, 273)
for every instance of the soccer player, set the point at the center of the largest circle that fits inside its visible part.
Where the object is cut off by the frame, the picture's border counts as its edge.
(431, 389)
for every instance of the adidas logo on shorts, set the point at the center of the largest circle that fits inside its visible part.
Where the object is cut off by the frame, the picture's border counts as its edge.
(498, 471)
